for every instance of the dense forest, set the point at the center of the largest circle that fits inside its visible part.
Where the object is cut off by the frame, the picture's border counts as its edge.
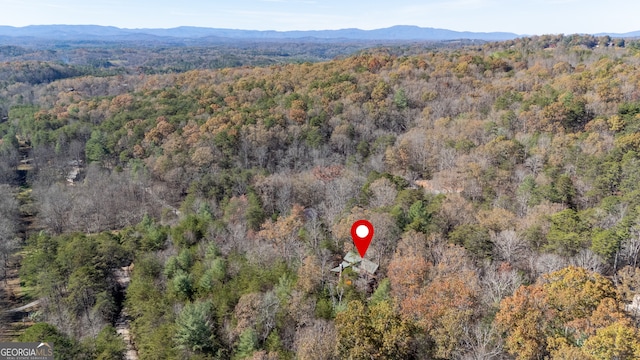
(502, 179)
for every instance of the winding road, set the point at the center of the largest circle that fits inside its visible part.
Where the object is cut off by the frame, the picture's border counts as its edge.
(123, 324)
(23, 307)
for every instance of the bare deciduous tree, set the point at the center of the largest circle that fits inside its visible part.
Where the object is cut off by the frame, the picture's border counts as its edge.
(546, 263)
(589, 260)
(56, 202)
(315, 231)
(481, 342)
(104, 200)
(499, 282)
(316, 342)
(509, 246)
(337, 194)
(8, 227)
(630, 249)
(8, 245)
(384, 192)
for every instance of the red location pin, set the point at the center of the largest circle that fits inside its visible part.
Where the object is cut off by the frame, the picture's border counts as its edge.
(362, 233)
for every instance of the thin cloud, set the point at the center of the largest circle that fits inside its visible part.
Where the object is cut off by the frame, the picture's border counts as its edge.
(310, 2)
(458, 5)
(57, 6)
(293, 20)
(557, 2)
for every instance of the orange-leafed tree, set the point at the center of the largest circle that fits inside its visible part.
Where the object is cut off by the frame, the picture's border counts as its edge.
(556, 315)
(522, 316)
(620, 340)
(439, 299)
(375, 332)
(284, 233)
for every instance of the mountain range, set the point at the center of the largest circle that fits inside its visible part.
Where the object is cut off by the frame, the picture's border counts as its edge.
(187, 35)
(106, 33)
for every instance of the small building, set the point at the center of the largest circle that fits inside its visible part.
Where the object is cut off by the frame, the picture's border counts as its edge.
(361, 266)
(75, 167)
(365, 270)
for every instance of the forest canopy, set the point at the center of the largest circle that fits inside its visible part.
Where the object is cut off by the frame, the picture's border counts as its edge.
(502, 180)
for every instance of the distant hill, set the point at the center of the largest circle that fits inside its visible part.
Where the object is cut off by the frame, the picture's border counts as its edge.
(110, 33)
(632, 34)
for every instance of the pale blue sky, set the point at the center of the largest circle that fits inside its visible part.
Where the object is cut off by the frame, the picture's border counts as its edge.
(519, 16)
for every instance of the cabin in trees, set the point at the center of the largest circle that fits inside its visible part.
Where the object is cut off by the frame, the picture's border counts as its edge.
(365, 269)
(75, 167)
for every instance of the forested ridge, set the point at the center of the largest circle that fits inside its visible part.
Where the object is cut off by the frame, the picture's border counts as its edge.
(502, 180)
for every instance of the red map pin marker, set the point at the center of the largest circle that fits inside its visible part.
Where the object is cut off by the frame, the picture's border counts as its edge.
(362, 233)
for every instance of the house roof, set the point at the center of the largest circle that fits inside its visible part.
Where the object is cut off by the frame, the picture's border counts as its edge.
(344, 265)
(352, 257)
(368, 266)
(357, 263)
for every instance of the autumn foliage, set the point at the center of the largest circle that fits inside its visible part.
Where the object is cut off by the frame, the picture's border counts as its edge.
(501, 178)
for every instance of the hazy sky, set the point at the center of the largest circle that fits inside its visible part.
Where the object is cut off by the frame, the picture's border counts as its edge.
(519, 16)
